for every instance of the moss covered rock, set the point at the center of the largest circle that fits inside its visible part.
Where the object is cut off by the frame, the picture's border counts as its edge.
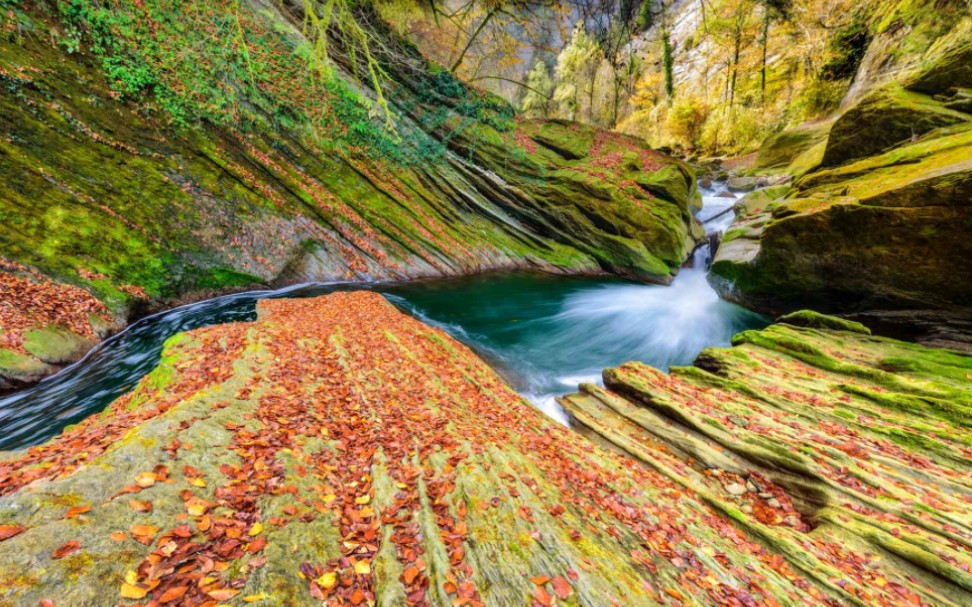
(885, 232)
(883, 119)
(56, 345)
(794, 151)
(948, 63)
(830, 444)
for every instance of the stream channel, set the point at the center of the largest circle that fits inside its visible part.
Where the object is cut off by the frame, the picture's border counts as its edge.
(544, 333)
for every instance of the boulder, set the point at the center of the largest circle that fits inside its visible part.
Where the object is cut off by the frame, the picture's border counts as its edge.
(885, 118)
(56, 345)
(742, 184)
(886, 232)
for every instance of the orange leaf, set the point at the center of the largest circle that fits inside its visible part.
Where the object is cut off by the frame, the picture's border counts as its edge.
(68, 548)
(540, 580)
(561, 587)
(173, 594)
(76, 510)
(8, 531)
(410, 574)
(543, 597)
(140, 506)
(223, 594)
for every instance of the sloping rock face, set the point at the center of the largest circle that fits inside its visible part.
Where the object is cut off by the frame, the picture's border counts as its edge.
(338, 450)
(847, 454)
(141, 173)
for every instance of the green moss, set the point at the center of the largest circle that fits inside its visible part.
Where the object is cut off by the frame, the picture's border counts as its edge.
(219, 279)
(20, 366)
(809, 318)
(883, 119)
(54, 344)
(782, 149)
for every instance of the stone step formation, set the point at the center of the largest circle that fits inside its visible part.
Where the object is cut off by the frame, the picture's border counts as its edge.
(336, 450)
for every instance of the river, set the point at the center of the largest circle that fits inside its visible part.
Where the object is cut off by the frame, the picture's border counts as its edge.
(543, 333)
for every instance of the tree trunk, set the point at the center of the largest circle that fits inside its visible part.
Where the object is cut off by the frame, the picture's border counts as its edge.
(735, 57)
(469, 43)
(762, 77)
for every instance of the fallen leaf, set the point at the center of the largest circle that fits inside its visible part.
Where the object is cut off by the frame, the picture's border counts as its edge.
(561, 587)
(76, 510)
(140, 506)
(8, 531)
(145, 479)
(543, 597)
(143, 533)
(327, 581)
(130, 591)
(223, 594)
(173, 594)
(410, 574)
(69, 548)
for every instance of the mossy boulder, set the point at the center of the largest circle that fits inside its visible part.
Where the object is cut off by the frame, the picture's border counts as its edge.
(816, 320)
(883, 119)
(17, 369)
(885, 232)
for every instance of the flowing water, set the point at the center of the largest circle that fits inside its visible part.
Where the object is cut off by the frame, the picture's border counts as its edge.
(544, 333)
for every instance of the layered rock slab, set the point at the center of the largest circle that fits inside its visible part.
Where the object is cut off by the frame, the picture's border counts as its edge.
(847, 454)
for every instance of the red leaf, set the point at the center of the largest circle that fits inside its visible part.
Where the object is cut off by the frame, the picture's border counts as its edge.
(68, 548)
